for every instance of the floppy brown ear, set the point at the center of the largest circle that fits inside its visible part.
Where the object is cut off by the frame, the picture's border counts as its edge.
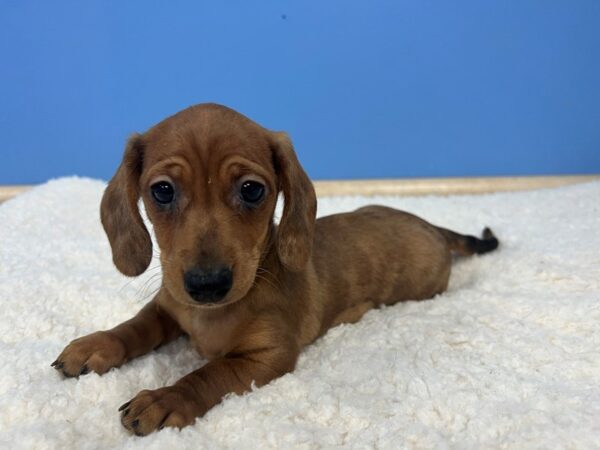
(129, 239)
(296, 228)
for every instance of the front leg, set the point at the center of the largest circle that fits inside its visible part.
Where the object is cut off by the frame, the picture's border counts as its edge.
(193, 395)
(103, 350)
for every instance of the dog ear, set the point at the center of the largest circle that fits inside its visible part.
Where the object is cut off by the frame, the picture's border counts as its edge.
(296, 228)
(129, 239)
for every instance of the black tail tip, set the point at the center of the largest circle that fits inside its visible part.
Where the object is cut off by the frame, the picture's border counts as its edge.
(488, 242)
(487, 233)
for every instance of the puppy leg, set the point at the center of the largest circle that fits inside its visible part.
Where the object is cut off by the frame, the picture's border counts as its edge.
(103, 350)
(352, 314)
(193, 395)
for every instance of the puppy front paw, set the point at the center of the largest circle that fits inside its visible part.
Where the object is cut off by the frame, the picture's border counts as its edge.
(171, 406)
(97, 352)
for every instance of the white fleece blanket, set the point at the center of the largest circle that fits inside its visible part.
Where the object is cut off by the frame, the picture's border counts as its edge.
(508, 357)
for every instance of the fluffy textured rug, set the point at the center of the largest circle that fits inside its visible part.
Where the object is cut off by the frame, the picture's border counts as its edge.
(508, 357)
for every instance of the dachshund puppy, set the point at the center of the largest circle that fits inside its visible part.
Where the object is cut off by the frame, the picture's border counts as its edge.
(250, 294)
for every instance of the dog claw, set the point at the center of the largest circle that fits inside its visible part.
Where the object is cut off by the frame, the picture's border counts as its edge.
(124, 405)
(84, 370)
(54, 363)
(161, 425)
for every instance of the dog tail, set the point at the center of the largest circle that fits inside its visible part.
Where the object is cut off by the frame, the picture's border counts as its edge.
(465, 245)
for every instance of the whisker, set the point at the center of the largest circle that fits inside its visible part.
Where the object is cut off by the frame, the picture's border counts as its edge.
(151, 294)
(269, 282)
(274, 283)
(142, 292)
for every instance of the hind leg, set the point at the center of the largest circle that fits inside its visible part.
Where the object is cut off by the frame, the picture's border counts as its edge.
(352, 314)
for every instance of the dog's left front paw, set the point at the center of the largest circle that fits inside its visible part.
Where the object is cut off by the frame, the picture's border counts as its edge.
(149, 411)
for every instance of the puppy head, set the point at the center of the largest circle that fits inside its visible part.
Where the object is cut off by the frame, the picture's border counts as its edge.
(209, 179)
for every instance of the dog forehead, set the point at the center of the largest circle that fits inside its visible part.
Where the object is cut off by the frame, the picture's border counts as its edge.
(207, 134)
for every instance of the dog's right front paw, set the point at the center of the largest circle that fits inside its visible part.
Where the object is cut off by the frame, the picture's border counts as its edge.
(97, 352)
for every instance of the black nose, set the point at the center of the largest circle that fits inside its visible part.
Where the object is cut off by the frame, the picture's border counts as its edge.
(208, 285)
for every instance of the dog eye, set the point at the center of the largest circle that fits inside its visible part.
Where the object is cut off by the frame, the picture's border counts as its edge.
(252, 191)
(162, 192)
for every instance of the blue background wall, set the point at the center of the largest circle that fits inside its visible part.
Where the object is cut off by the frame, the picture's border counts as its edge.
(365, 88)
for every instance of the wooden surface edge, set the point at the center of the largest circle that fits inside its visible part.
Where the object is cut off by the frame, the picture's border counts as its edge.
(446, 186)
(7, 192)
(415, 186)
